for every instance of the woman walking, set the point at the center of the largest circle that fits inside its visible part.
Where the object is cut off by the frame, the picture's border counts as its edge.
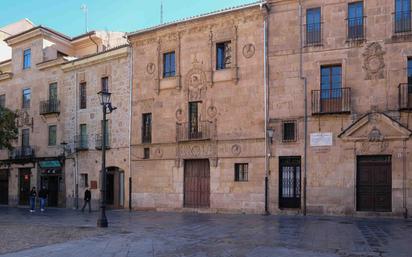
(33, 195)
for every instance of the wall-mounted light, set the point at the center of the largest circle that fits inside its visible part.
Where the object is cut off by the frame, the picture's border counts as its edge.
(270, 135)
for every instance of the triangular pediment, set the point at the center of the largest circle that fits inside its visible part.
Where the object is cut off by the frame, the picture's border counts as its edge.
(375, 127)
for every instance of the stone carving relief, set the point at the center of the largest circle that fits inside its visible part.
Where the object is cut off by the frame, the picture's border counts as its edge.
(23, 119)
(195, 82)
(374, 147)
(150, 68)
(249, 51)
(196, 150)
(236, 150)
(212, 111)
(373, 61)
(146, 105)
(179, 115)
(375, 135)
(213, 162)
(158, 152)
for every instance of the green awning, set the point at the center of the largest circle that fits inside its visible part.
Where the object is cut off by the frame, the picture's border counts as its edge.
(50, 164)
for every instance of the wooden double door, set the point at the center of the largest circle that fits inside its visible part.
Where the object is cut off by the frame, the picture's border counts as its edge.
(197, 183)
(374, 183)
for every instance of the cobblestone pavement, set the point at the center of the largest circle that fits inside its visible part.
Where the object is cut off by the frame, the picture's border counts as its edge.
(62, 232)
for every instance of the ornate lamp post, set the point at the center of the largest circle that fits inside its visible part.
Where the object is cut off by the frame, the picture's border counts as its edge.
(107, 108)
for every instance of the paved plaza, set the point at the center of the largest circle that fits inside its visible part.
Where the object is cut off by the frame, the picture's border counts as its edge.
(63, 232)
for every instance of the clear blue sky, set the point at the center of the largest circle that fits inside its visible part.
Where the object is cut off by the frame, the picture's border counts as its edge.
(117, 15)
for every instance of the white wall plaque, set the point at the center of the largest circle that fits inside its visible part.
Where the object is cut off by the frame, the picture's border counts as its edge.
(321, 139)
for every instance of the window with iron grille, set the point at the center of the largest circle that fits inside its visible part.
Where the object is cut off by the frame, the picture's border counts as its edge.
(147, 128)
(52, 135)
(313, 26)
(169, 65)
(83, 96)
(355, 20)
(223, 55)
(2, 101)
(105, 84)
(146, 153)
(26, 98)
(241, 172)
(26, 59)
(289, 131)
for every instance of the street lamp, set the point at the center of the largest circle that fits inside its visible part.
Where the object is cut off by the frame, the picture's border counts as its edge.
(104, 97)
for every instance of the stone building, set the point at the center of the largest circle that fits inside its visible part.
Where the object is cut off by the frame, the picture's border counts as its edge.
(339, 104)
(42, 82)
(198, 115)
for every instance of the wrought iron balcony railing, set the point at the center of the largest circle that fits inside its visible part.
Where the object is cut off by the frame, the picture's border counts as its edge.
(49, 107)
(402, 22)
(313, 35)
(202, 130)
(21, 153)
(405, 96)
(82, 142)
(331, 101)
(356, 28)
(98, 142)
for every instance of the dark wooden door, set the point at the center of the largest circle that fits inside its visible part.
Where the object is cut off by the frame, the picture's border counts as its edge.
(197, 184)
(24, 184)
(53, 189)
(4, 187)
(289, 182)
(110, 188)
(374, 183)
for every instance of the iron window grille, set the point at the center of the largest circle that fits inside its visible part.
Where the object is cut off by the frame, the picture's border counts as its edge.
(241, 172)
(147, 128)
(289, 129)
(313, 27)
(83, 96)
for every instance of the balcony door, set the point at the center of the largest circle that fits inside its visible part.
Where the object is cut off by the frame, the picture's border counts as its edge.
(331, 89)
(194, 131)
(25, 140)
(409, 95)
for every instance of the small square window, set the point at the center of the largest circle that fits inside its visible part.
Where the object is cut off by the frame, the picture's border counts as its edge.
(146, 153)
(289, 131)
(241, 172)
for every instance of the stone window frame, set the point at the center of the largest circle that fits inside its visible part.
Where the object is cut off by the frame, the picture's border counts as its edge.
(321, 21)
(295, 136)
(229, 42)
(245, 177)
(84, 180)
(331, 62)
(364, 8)
(216, 39)
(48, 135)
(82, 83)
(23, 105)
(24, 59)
(109, 81)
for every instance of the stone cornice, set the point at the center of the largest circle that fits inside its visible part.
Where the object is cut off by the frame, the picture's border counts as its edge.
(50, 63)
(95, 59)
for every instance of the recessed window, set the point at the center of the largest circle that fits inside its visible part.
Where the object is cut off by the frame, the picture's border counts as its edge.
(84, 180)
(146, 128)
(146, 153)
(83, 96)
(169, 65)
(313, 27)
(105, 84)
(26, 59)
(241, 172)
(289, 131)
(26, 98)
(52, 135)
(25, 138)
(223, 55)
(402, 16)
(355, 21)
(83, 140)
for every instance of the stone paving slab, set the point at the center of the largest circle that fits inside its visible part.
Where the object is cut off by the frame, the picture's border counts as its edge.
(72, 233)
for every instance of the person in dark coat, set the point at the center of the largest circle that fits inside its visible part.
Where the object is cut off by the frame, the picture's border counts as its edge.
(32, 196)
(87, 199)
(43, 193)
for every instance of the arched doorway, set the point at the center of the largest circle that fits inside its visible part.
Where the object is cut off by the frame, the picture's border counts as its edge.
(114, 187)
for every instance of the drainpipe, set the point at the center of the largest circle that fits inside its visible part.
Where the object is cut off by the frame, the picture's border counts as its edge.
(305, 139)
(405, 207)
(97, 46)
(76, 163)
(130, 116)
(266, 101)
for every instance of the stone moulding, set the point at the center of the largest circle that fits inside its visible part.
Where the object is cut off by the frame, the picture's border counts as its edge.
(373, 61)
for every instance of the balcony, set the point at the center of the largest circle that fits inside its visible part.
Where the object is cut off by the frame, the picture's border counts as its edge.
(331, 101)
(402, 23)
(405, 97)
(98, 142)
(82, 143)
(203, 130)
(22, 153)
(49, 107)
(313, 35)
(356, 29)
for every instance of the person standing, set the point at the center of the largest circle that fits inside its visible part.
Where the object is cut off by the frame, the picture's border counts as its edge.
(87, 199)
(43, 193)
(32, 197)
